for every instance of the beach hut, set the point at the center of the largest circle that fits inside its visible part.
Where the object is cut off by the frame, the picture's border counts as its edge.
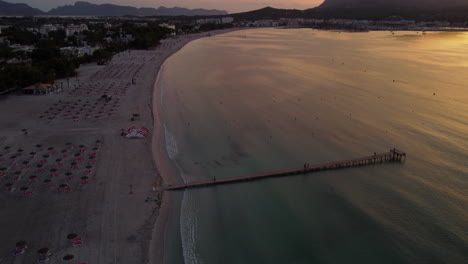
(42, 88)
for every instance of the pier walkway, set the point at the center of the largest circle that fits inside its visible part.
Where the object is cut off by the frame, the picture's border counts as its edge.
(391, 156)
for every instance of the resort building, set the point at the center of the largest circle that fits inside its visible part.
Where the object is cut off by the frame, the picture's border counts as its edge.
(42, 89)
(45, 29)
(75, 29)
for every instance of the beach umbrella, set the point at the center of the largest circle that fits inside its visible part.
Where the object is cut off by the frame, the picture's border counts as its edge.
(77, 154)
(24, 188)
(84, 177)
(53, 170)
(47, 180)
(20, 150)
(68, 257)
(45, 156)
(63, 185)
(13, 157)
(3, 169)
(51, 148)
(8, 184)
(25, 162)
(39, 165)
(33, 177)
(72, 236)
(21, 243)
(32, 153)
(89, 167)
(68, 173)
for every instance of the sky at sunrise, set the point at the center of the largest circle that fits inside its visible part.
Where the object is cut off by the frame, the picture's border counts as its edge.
(228, 5)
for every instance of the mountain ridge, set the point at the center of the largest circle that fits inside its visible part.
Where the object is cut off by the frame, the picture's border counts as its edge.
(82, 8)
(20, 9)
(422, 4)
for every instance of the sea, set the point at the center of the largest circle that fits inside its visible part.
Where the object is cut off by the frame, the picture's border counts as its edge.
(262, 100)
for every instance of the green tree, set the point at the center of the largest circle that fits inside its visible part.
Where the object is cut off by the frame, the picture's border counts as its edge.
(20, 36)
(58, 37)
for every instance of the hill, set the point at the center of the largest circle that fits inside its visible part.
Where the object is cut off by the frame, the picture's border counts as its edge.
(269, 13)
(375, 11)
(422, 10)
(10, 9)
(88, 9)
(421, 4)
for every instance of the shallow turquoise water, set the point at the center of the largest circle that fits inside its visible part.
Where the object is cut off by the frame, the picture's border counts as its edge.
(268, 99)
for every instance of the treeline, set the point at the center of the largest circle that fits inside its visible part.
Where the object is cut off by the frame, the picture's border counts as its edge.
(145, 37)
(48, 63)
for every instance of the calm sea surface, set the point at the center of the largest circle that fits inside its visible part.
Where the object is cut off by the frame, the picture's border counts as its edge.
(269, 99)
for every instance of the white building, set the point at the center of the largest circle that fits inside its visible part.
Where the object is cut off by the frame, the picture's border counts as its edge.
(45, 29)
(83, 27)
(78, 51)
(24, 48)
(227, 20)
(265, 23)
(172, 27)
(3, 27)
(209, 21)
(75, 29)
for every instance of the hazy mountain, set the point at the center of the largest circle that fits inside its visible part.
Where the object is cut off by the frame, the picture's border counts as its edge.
(269, 13)
(425, 4)
(88, 9)
(9, 9)
(452, 13)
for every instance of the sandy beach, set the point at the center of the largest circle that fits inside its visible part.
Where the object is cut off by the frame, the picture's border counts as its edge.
(65, 169)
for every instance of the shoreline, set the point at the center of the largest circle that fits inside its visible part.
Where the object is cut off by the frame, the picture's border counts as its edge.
(160, 159)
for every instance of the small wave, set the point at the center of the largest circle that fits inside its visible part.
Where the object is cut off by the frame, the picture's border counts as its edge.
(171, 144)
(188, 229)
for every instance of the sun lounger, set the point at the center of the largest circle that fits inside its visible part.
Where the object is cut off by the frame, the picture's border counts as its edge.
(43, 259)
(19, 251)
(85, 182)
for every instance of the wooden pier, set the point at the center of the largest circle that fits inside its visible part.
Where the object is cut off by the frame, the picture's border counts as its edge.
(393, 155)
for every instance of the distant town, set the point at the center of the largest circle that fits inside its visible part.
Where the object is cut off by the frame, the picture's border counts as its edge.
(41, 49)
